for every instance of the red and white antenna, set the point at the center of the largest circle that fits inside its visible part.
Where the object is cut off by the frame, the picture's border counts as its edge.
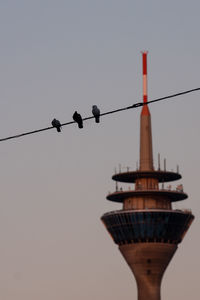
(145, 110)
(144, 60)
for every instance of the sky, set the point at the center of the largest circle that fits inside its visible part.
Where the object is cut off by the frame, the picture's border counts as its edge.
(60, 56)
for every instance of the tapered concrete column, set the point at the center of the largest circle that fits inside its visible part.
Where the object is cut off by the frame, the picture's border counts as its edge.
(146, 152)
(148, 262)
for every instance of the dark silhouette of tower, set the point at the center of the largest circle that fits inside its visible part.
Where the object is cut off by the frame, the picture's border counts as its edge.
(147, 229)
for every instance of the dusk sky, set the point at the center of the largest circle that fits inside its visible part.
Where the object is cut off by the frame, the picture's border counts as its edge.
(65, 55)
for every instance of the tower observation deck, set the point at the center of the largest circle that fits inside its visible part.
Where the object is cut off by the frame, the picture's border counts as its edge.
(147, 229)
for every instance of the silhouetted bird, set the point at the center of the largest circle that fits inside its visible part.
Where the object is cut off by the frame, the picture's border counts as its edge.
(96, 113)
(78, 119)
(56, 123)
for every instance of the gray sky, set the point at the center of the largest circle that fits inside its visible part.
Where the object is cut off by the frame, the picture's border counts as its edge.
(61, 56)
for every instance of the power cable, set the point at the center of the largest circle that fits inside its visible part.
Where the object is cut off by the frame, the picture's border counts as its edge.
(103, 114)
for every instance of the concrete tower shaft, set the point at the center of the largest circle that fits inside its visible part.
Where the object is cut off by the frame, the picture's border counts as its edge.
(148, 262)
(146, 149)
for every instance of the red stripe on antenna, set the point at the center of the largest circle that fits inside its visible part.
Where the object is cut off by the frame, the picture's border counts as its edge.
(144, 58)
(145, 98)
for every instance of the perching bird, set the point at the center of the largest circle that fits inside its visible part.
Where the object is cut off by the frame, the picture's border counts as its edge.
(78, 119)
(56, 123)
(96, 113)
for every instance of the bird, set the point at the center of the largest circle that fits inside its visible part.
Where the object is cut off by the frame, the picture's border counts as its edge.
(96, 113)
(78, 119)
(56, 123)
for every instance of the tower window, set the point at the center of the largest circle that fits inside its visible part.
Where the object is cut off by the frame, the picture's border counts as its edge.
(148, 272)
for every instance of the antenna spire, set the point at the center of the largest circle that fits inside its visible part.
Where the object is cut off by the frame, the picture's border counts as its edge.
(145, 110)
(146, 152)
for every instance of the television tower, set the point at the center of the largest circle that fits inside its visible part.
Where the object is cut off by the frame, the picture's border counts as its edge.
(147, 229)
